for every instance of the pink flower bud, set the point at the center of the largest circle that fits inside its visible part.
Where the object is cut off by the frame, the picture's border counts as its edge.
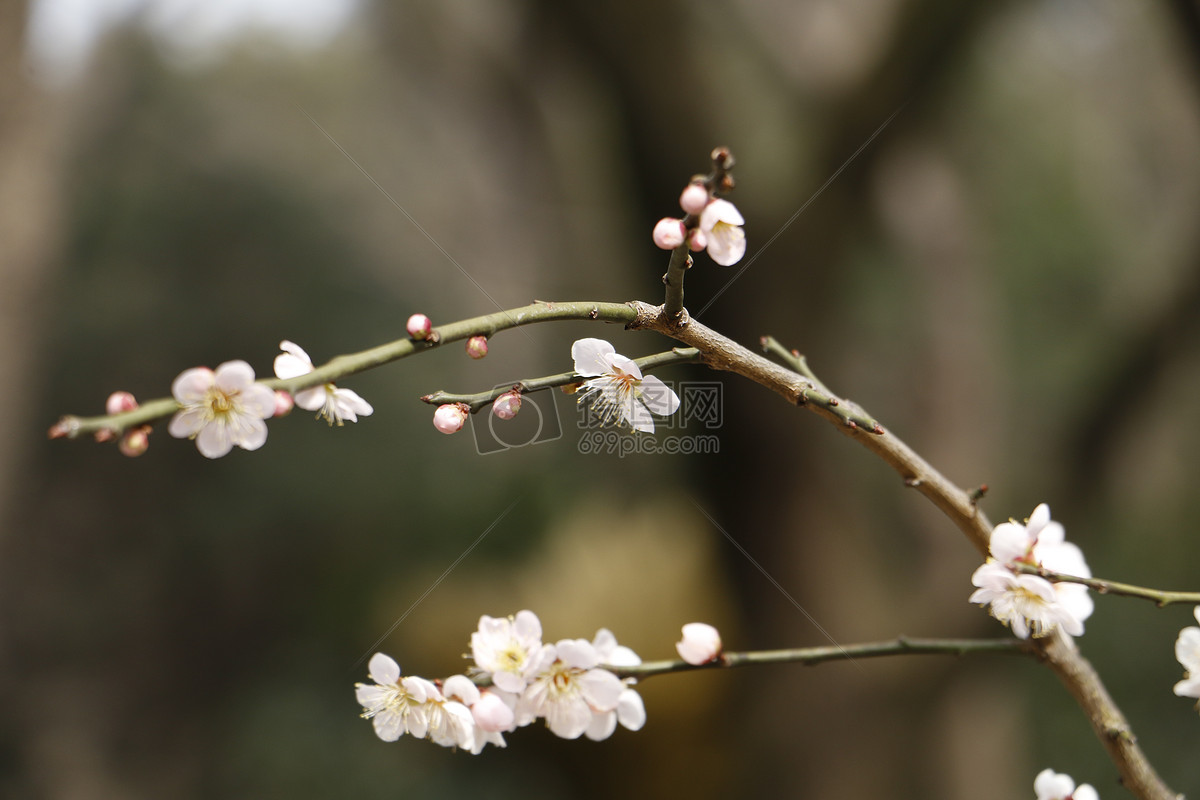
(507, 405)
(697, 240)
(283, 403)
(477, 347)
(419, 326)
(136, 442)
(119, 403)
(449, 418)
(491, 713)
(701, 643)
(694, 198)
(669, 233)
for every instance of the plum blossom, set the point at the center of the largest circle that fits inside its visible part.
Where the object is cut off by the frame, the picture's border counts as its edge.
(510, 649)
(450, 417)
(693, 198)
(507, 405)
(620, 393)
(630, 711)
(722, 225)
(669, 233)
(419, 326)
(334, 404)
(1051, 785)
(221, 409)
(395, 705)
(701, 643)
(1030, 604)
(1187, 650)
(569, 690)
(491, 711)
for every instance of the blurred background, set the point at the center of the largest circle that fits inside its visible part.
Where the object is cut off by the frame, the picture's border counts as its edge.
(1007, 276)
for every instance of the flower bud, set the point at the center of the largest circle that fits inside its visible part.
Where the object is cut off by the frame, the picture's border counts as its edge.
(697, 240)
(136, 442)
(119, 403)
(701, 643)
(419, 326)
(283, 403)
(669, 233)
(507, 405)
(694, 198)
(491, 713)
(449, 418)
(477, 347)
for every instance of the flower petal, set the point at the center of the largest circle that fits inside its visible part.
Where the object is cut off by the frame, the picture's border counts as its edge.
(658, 397)
(213, 440)
(192, 385)
(383, 669)
(234, 376)
(589, 356)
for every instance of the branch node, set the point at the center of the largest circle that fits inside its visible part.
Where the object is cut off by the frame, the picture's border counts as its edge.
(913, 482)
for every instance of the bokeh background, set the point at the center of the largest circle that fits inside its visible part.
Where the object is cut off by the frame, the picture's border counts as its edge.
(1007, 275)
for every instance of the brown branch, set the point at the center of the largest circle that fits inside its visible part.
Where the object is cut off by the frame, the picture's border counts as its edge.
(1059, 651)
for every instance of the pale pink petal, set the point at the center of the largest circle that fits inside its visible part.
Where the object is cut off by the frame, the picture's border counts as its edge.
(658, 397)
(601, 688)
(213, 440)
(388, 725)
(460, 687)
(312, 398)
(234, 376)
(383, 669)
(631, 711)
(577, 653)
(252, 433)
(192, 385)
(187, 423)
(528, 627)
(726, 245)
(589, 356)
(638, 416)
(602, 726)
(1009, 542)
(353, 404)
(259, 401)
(292, 362)
(626, 366)
(720, 211)
(492, 714)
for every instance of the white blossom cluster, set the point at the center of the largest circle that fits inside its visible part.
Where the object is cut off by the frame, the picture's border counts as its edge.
(565, 684)
(1030, 604)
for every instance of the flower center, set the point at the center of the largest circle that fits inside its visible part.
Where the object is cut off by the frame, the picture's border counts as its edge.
(221, 403)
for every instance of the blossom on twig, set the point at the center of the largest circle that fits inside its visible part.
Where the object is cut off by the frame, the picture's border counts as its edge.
(334, 404)
(1187, 651)
(1051, 785)
(221, 409)
(618, 391)
(1029, 604)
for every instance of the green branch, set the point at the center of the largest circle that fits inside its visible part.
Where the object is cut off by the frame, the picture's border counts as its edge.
(848, 411)
(343, 366)
(1101, 586)
(679, 355)
(810, 656)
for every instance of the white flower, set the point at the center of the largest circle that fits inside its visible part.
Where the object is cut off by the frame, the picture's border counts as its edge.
(491, 711)
(221, 409)
(570, 690)
(1051, 785)
(722, 225)
(334, 404)
(1026, 602)
(701, 643)
(395, 705)
(1031, 604)
(630, 710)
(618, 390)
(1187, 650)
(511, 649)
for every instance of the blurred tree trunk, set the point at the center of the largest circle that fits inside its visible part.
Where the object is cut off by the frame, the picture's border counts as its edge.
(30, 161)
